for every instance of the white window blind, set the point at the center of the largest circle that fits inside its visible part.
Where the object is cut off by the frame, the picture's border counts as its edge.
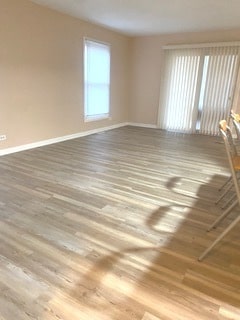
(96, 79)
(198, 88)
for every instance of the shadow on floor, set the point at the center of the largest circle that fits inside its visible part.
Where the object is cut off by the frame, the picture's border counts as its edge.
(168, 272)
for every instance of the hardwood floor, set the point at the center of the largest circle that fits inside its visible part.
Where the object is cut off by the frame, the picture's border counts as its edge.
(110, 227)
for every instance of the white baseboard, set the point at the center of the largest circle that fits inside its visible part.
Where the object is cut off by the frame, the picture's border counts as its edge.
(42, 143)
(59, 139)
(143, 125)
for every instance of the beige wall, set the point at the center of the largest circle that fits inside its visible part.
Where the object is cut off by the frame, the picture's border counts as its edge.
(41, 73)
(147, 60)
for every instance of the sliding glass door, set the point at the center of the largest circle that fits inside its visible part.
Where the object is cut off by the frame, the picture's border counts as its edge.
(198, 88)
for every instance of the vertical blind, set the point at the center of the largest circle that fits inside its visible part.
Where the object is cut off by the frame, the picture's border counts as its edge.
(96, 78)
(198, 88)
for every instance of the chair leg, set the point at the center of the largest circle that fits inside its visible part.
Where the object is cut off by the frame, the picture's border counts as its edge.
(223, 215)
(229, 228)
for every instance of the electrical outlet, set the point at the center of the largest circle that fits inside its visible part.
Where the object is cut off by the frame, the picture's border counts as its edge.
(3, 137)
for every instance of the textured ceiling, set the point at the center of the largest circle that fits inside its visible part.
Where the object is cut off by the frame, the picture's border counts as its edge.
(146, 17)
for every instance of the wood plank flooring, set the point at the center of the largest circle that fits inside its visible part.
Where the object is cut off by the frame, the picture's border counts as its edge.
(110, 226)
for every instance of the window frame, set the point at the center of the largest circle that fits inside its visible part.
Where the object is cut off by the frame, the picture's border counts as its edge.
(101, 116)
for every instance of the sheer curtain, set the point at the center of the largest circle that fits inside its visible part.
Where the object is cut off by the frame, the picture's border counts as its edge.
(197, 88)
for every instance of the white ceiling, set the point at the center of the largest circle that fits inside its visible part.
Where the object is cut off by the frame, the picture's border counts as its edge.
(147, 17)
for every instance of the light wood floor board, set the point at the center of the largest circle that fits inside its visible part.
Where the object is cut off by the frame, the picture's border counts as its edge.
(109, 227)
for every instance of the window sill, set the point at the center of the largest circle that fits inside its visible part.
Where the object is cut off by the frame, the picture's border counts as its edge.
(97, 118)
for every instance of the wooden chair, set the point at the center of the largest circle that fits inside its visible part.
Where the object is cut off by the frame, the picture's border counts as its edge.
(236, 123)
(234, 163)
(227, 186)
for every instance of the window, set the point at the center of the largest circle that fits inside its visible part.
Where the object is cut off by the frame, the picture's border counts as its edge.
(96, 80)
(198, 88)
